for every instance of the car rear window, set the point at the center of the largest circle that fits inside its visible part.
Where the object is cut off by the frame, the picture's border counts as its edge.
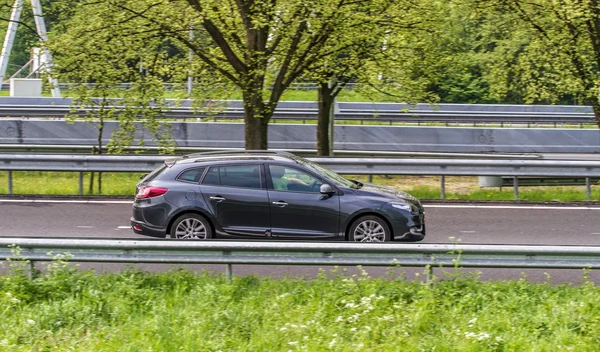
(154, 174)
(191, 175)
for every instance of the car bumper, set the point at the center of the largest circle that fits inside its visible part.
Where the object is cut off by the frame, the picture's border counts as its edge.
(142, 228)
(410, 229)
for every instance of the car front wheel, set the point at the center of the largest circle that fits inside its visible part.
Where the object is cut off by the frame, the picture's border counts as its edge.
(369, 228)
(191, 227)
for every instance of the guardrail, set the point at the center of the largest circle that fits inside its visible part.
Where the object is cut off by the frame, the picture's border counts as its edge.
(349, 166)
(415, 116)
(429, 256)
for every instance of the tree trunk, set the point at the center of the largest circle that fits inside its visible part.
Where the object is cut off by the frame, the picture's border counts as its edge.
(325, 115)
(256, 124)
(596, 107)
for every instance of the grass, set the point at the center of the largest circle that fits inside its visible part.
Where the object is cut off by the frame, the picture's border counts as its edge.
(70, 310)
(423, 187)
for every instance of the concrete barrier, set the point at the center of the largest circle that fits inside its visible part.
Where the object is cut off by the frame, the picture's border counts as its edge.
(347, 137)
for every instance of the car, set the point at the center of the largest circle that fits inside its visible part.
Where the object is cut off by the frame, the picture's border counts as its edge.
(269, 195)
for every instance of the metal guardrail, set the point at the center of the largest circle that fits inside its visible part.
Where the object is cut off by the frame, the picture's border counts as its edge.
(349, 166)
(295, 253)
(307, 114)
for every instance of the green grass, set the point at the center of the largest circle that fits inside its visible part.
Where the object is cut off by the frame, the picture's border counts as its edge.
(123, 184)
(67, 183)
(70, 310)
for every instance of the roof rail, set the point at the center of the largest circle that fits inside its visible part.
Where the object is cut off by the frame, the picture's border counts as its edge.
(236, 151)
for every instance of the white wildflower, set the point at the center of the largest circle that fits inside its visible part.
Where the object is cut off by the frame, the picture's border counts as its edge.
(339, 318)
(283, 329)
(368, 328)
(483, 336)
(4, 343)
(332, 343)
(293, 343)
(353, 329)
(30, 322)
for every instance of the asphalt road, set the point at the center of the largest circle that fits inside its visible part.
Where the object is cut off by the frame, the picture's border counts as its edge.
(476, 224)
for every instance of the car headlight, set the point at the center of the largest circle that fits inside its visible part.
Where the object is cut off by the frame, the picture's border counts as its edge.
(402, 206)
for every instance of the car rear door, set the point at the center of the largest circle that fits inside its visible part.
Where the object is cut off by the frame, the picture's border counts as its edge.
(237, 197)
(298, 209)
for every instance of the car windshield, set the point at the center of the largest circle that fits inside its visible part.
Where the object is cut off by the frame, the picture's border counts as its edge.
(336, 178)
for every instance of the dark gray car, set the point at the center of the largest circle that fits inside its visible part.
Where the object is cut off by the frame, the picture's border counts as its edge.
(269, 195)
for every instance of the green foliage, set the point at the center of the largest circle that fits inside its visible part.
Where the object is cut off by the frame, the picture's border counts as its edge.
(73, 310)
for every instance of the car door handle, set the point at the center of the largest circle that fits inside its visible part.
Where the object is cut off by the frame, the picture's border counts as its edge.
(280, 203)
(217, 198)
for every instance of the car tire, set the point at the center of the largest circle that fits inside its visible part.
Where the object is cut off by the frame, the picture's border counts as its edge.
(191, 227)
(369, 228)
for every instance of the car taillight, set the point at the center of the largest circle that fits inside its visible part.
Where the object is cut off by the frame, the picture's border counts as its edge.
(149, 192)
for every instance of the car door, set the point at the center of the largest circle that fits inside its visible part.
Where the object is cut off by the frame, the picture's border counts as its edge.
(298, 209)
(237, 197)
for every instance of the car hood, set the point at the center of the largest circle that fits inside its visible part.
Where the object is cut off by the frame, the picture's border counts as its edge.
(387, 192)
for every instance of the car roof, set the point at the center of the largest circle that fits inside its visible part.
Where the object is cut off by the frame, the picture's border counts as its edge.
(229, 156)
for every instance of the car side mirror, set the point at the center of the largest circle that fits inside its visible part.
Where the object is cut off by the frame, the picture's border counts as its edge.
(326, 189)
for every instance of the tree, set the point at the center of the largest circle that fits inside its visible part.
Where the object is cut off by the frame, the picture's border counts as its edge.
(96, 62)
(261, 46)
(371, 54)
(561, 53)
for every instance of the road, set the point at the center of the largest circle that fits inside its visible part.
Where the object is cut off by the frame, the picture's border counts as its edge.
(473, 224)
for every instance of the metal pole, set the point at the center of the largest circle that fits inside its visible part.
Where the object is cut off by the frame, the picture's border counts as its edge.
(429, 274)
(588, 188)
(229, 273)
(10, 182)
(443, 186)
(40, 25)
(516, 187)
(80, 183)
(9, 38)
(32, 269)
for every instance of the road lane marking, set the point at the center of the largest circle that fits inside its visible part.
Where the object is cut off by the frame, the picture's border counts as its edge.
(537, 207)
(85, 227)
(123, 227)
(457, 206)
(65, 201)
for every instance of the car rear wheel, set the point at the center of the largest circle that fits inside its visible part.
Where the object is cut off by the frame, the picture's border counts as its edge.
(369, 228)
(191, 227)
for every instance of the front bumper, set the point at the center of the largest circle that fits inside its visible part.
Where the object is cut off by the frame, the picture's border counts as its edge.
(406, 225)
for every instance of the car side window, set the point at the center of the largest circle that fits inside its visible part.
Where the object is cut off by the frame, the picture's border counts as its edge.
(212, 176)
(191, 175)
(247, 176)
(286, 178)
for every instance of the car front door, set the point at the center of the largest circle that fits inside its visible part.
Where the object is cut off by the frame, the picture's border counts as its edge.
(237, 197)
(298, 209)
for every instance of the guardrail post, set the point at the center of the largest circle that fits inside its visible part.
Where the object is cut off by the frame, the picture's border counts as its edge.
(10, 182)
(370, 178)
(443, 187)
(588, 188)
(80, 183)
(229, 273)
(428, 274)
(516, 187)
(32, 269)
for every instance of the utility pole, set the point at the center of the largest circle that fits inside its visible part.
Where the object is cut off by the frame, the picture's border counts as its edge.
(9, 39)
